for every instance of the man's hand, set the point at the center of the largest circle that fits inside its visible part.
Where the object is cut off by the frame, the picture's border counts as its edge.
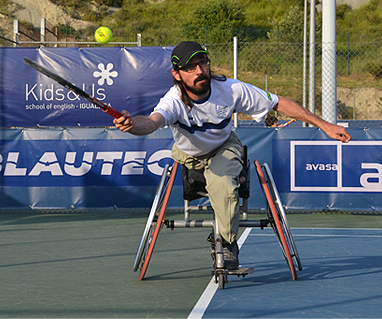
(336, 132)
(140, 124)
(125, 123)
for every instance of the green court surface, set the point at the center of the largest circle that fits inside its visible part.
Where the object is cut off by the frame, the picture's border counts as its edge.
(78, 264)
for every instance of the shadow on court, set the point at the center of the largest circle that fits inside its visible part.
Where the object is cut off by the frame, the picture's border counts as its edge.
(80, 265)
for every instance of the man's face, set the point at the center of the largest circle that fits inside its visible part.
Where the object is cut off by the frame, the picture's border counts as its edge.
(195, 76)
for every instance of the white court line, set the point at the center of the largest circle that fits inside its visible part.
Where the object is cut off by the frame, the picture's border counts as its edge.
(205, 299)
(350, 235)
(243, 237)
(317, 235)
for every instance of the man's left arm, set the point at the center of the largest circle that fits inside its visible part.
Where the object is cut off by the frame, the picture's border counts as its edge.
(292, 109)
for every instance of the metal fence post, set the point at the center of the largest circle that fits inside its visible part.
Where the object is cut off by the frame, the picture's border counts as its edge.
(353, 103)
(348, 55)
(277, 51)
(304, 63)
(329, 65)
(235, 70)
(312, 58)
(205, 36)
(16, 33)
(43, 31)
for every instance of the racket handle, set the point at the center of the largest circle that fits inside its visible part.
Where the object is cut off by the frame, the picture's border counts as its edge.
(113, 112)
(104, 107)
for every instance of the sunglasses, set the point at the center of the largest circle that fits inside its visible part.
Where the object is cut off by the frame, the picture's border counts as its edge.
(191, 67)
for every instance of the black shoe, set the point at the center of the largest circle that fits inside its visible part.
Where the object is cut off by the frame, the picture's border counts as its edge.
(231, 255)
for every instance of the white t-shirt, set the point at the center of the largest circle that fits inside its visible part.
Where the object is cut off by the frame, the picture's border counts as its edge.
(208, 124)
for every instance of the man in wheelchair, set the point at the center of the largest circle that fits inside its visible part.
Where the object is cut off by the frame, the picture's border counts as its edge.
(198, 109)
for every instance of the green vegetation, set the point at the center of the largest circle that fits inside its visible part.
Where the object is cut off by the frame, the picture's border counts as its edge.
(165, 22)
(216, 21)
(362, 25)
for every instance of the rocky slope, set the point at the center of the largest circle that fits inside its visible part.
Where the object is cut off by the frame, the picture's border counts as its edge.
(32, 11)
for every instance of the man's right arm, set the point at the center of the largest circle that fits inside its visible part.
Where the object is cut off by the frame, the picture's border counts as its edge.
(139, 125)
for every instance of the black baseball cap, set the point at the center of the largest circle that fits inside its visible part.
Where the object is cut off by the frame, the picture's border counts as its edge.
(183, 53)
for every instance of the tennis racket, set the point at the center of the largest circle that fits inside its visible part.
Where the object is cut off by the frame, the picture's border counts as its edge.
(289, 122)
(104, 107)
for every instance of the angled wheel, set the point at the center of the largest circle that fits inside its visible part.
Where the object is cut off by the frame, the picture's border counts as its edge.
(155, 220)
(275, 221)
(151, 220)
(282, 217)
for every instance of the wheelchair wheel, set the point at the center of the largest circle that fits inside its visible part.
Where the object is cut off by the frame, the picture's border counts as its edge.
(155, 220)
(282, 217)
(221, 281)
(275, 221)
(151, 220)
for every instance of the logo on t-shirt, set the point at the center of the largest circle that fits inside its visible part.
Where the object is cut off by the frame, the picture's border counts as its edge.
(222, 110)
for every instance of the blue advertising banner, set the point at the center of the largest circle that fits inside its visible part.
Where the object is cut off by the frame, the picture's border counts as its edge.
(103, 167)
(84, 163)
(78, 168)
(329, 166)
(327, 173)
(131, 78)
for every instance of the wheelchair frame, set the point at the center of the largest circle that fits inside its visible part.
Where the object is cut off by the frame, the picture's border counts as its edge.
(276, 218)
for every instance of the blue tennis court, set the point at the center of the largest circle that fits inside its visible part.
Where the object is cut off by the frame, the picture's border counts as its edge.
(342, 278)
(79, 265)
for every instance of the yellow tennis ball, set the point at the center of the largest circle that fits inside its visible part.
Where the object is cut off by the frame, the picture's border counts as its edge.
(103, 35)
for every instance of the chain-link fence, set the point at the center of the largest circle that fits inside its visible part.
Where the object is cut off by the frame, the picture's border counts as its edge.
(54, 37)
(51, 36)
(278, 68)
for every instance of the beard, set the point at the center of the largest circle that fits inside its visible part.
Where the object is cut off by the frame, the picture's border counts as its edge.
(199, 88)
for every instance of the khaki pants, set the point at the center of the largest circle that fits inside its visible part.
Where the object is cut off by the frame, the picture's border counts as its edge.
(221, 171)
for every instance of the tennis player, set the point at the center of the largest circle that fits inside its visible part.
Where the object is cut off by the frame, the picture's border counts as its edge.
(198, 109)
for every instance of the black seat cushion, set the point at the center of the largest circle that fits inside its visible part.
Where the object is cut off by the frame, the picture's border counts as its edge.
(194, 183)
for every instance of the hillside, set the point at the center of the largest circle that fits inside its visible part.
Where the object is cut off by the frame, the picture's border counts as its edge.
(355, 4)
(33, 10)
(162, 22)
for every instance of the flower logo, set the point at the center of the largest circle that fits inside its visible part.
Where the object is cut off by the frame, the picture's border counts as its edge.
(106, 74)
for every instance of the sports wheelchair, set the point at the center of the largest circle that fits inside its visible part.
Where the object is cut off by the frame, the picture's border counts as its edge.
(194, 188)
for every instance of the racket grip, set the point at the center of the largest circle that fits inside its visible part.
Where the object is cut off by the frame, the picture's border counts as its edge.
(113, 112)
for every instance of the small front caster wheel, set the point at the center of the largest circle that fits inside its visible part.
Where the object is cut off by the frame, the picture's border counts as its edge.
(221, 281)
